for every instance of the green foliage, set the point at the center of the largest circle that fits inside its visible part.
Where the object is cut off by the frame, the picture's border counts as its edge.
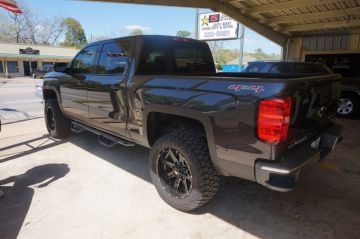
(259, 54)
(183, 33)
(136, 32)
(226, 55)
(74, 34)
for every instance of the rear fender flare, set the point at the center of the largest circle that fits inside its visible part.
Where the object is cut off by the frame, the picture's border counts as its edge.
(188, 113)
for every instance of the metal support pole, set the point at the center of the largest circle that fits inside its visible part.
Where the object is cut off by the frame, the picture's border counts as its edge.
(6, 69)
(287, 49)
(196, 35)
(241, 37)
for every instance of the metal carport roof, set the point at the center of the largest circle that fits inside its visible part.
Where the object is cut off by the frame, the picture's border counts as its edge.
(279, 19)
(32, 56)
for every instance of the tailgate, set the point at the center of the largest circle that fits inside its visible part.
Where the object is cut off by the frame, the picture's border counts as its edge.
(314, 104)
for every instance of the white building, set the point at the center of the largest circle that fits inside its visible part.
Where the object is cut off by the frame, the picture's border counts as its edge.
(22, 59)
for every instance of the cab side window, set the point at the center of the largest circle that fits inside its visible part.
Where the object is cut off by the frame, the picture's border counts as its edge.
(84, 61)
(113, 58)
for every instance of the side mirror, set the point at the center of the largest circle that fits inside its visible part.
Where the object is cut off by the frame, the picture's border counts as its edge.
(60, 67)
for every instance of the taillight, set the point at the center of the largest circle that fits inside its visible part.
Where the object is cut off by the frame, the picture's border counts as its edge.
(274, 120)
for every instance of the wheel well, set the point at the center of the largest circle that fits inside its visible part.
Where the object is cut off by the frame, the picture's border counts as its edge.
(49, 94)
(159, 124)
(347, 92)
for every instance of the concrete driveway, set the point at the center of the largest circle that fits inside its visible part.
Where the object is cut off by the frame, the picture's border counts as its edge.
(77, 188)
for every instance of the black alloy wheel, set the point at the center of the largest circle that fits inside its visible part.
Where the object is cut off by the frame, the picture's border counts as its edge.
(174, 173)
(182, 171)
(50, 118)
(57, 124)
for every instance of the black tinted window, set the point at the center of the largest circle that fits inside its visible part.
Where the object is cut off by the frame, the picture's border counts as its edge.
(189, 60)
(113, 58)
(153, 62)
(1, 67)
(83, 63)
(175, 56)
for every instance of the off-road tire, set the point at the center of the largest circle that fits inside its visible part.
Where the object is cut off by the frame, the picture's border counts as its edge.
(205, 179)
(61, 127)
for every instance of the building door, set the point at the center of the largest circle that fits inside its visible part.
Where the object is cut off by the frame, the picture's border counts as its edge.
(26, 68)
(33, 65)
(29, 67)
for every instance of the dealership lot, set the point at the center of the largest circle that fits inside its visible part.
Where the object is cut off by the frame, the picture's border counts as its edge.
(80, 189)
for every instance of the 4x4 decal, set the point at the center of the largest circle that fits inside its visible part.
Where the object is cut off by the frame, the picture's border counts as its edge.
(255, 88)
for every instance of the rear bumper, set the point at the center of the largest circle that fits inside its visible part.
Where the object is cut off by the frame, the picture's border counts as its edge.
(283, 175)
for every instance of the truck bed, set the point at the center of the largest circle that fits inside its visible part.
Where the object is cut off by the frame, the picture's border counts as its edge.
(231, 101)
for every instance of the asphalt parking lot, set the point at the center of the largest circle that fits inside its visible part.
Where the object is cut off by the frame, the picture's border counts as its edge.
(77, 188)
(20, 99)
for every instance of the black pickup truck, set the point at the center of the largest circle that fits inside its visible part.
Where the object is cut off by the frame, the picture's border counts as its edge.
(164, 93)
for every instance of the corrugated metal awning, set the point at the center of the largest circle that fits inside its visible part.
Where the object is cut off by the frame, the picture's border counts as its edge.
(33, 57)
(279, 19)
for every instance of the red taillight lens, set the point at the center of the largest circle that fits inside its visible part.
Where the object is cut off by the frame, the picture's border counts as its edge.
(274, 120)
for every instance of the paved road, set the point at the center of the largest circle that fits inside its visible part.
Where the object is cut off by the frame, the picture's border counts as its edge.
(20, 99)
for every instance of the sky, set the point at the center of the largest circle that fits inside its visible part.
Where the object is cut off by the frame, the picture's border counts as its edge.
(99, 19)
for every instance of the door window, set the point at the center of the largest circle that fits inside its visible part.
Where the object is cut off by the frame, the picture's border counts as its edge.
(113, 58)
(1, 67)
(83, 63)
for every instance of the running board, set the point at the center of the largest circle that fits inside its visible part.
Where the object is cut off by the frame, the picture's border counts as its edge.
(104, 138)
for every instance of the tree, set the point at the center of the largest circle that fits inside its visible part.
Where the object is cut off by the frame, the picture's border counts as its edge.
(74, 34)
(261, 55)
(226, 55)
(215, 47)
(136, 31)
(183, 33)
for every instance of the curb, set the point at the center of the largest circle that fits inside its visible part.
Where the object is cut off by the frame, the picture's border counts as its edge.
(13, 122)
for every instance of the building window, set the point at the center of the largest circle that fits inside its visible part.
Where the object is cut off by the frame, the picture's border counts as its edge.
(1, 67)
(47, 63)
(12, 67)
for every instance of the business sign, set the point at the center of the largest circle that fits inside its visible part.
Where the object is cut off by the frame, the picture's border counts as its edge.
(217, 26)
(29, 51)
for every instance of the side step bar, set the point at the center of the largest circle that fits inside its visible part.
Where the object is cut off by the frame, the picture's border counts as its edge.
(104, 138)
